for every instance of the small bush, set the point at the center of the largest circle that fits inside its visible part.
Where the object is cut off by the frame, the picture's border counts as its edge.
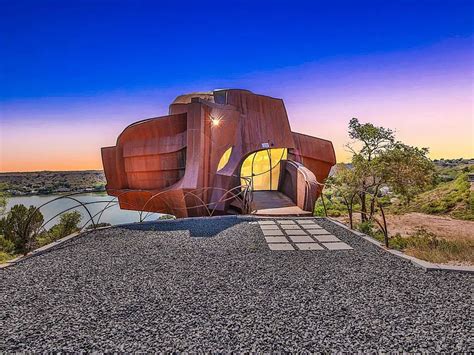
(68, 224)
(398, 242)
(334, 208)
(21, 226)
(45, 238)
(6, 245)
(167, 216)
(366, 228)
(319, 210)
(4, 257)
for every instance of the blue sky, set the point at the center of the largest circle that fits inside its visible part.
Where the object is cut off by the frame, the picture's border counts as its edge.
(57, 48)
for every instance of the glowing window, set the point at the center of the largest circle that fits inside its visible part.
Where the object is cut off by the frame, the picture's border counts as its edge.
(263, 167)
(224, 159)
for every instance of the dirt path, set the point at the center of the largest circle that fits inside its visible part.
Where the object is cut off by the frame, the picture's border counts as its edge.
(441, 226)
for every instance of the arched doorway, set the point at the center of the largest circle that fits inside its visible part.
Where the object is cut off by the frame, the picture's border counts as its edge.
(262, 168)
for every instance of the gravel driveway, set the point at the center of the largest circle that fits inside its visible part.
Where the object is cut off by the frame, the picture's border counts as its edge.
(213, 284)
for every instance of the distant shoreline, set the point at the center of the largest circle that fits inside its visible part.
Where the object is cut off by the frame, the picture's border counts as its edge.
(44, 183)
(103, 192)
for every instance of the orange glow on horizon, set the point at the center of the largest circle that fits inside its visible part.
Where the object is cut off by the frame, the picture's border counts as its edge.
(427, 104)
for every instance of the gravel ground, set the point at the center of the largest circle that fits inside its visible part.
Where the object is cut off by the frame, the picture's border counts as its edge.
(213, 284)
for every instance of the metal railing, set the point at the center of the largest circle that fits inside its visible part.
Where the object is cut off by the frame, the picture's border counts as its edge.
(241, 193)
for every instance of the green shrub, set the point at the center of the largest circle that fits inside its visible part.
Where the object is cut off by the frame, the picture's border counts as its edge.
(4, 257)
(319, 210)
(6, 245)
(45, 238)
(334, 207)
(398, 242)
(68, 224)
(366, 228)
(21, 226)
(167, 216)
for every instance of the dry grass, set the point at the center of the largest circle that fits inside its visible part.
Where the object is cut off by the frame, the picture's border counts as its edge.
(428, 247)
(441, 226)
(436, 239)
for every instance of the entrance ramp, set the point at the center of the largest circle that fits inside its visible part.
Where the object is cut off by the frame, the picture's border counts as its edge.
(275, 203)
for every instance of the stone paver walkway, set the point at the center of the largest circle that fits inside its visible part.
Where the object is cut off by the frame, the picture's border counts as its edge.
(300, 234)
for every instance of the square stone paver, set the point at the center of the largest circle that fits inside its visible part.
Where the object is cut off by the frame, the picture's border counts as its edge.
(305, 221)
(318, 231)
(290, 226)
(327, 238)
(337, 246)
(314, 230)
(272, 232)
(311, 227)
(309, 246)
(296, 232)
(276, 240)
(281, 246)
(301, 238)
(265, 222)
(269, 226)
(285, 221)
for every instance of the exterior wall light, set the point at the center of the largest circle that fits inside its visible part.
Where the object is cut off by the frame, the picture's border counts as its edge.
(215, 122)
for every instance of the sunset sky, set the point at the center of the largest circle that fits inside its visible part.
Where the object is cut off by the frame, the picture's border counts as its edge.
(74, 74)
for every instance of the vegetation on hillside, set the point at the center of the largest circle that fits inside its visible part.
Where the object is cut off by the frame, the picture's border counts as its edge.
(388, 176)
(379, 164)
(51, 182)
(448, 195)
(21, 230)
(427, 245)
(452, 198)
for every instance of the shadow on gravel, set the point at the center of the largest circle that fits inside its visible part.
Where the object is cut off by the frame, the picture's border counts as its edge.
(203, 227)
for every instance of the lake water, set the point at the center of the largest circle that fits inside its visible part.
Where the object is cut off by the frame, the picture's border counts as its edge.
(113, 215)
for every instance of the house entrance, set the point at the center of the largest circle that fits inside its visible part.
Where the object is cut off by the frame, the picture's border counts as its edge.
(262, 168)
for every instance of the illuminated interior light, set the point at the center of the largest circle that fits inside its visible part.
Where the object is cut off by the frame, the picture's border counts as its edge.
(224, 159)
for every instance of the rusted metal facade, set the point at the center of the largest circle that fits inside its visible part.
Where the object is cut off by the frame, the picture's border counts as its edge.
(170, 164)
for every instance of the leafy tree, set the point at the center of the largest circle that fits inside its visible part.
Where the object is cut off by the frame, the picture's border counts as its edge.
(345, 184)
(373, 140)
(21, 226)
(369, 141)
(68, 224)
(380, 162)
(406, 170)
